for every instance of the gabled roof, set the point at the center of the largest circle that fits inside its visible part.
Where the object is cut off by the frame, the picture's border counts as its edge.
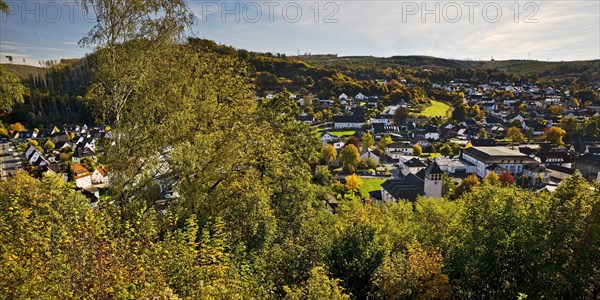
(415, 163)
(588, 159)
(407, 188)
(555, 157)
(83, 152)
(79, 171)
(561, 169)
(399, 145)
(433, 168)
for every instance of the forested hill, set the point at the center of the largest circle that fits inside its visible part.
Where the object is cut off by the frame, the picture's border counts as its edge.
(589, 69)
(56, 89)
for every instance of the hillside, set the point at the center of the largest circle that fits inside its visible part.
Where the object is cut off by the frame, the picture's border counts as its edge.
(548, 69)
(24, 71)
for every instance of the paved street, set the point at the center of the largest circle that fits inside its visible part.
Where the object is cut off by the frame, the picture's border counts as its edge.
(10, 161)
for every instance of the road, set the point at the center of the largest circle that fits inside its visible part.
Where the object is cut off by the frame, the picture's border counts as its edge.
(10, 161)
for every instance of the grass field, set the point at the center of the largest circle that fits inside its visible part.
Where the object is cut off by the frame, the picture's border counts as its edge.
(369, 185)
(341, 133)
(430, 155)
(437, 108)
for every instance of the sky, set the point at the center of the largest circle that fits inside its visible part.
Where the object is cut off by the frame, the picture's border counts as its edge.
(553, 30)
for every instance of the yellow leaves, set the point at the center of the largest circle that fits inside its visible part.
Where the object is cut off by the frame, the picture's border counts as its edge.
(353, 183)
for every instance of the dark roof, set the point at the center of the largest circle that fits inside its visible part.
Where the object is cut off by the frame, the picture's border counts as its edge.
(493, 119)
(555, 157)
(348, 119)
(375, 194)
(407, 188)
(415, 163)
(483, 142)
(561, 169)
(83, 152)
(593, 149)
(433, 168)
(399, 145)
(380, 128)
(588, 159)
(305, 118)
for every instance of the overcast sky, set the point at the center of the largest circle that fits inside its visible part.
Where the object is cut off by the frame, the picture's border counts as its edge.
(542, 30)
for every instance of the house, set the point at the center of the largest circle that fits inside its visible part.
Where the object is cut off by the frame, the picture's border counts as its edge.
(432, 133)
(560, 158)
(38, 159)
(455, 167)
(397, 149)
(535, 171)
(327, 137)
(421, 141)
(589, 166)
(99, 176)
(29, 152)
(380, 130)
(489, 159)
(82, 177)
(81, 153)
(353, 121)
(411, 186)
(413, 165)
(559, 173)
(369, 153)
(306, 119)
(28, 134)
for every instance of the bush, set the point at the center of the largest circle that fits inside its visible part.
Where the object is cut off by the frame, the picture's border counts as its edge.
(349, 169)
(322, 176)
(370, 163)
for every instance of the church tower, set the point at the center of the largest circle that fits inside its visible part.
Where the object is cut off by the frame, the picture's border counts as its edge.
(433, 181)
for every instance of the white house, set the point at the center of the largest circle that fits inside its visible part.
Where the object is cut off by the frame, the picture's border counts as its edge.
(327, 137)
(411, 166)
(488, 159)
(99, 176)
(369, 153)
(30, 151)
(37, 159)
(360, 97)
(398, 149)
(432, 135)
(343, 122)
(82, 177)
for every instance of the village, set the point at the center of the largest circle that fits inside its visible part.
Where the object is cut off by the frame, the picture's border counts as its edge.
(513, 131)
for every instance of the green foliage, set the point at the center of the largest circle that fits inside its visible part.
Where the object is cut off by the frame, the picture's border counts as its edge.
(367, 140)
(400, 116)
(446, 150)
(11, 90)
(322, 176)
(386, 140)
(350, 155)
(317, 286)
(467, 185)
(514, 135)
(328, 154)
(356, 253)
